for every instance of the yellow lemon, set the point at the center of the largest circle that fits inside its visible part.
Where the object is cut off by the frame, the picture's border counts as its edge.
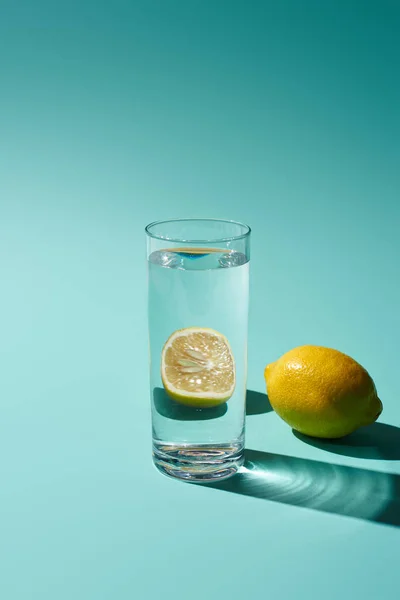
(197, 367)
(322, 392)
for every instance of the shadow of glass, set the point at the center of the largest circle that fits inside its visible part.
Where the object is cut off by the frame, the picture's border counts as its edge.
(378, 441)
(257, 403)
(166, 407)
(337, 489)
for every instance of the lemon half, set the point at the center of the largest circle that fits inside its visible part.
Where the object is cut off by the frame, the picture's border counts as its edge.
(198, 367)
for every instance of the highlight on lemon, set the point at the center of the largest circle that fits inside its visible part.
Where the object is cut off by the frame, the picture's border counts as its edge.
(198, 367)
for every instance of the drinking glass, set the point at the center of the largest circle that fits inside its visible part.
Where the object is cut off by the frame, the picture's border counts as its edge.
(198, 297)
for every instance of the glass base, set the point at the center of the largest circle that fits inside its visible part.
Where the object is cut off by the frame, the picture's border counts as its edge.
(198, 462)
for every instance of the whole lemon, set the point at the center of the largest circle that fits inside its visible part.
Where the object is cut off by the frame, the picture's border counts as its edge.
(322, 392)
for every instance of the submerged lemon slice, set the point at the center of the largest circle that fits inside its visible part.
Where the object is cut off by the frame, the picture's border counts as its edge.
(198, 368)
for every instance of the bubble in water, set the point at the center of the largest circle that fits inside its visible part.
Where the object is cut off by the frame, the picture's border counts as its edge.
(232, 259)
(170, 260)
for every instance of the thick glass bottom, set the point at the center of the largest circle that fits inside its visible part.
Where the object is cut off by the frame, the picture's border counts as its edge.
(198, 462)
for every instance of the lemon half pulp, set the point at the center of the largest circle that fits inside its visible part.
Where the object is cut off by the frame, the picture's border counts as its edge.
(198, 368)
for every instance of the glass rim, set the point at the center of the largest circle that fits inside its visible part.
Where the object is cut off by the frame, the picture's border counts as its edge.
(215, 240)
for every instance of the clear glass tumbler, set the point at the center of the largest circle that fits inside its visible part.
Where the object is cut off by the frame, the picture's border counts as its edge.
(198, 294)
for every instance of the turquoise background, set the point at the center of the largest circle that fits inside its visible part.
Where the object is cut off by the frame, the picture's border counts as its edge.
(284, 115)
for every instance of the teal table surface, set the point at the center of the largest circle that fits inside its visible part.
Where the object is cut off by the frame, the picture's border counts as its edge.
(281, 115)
